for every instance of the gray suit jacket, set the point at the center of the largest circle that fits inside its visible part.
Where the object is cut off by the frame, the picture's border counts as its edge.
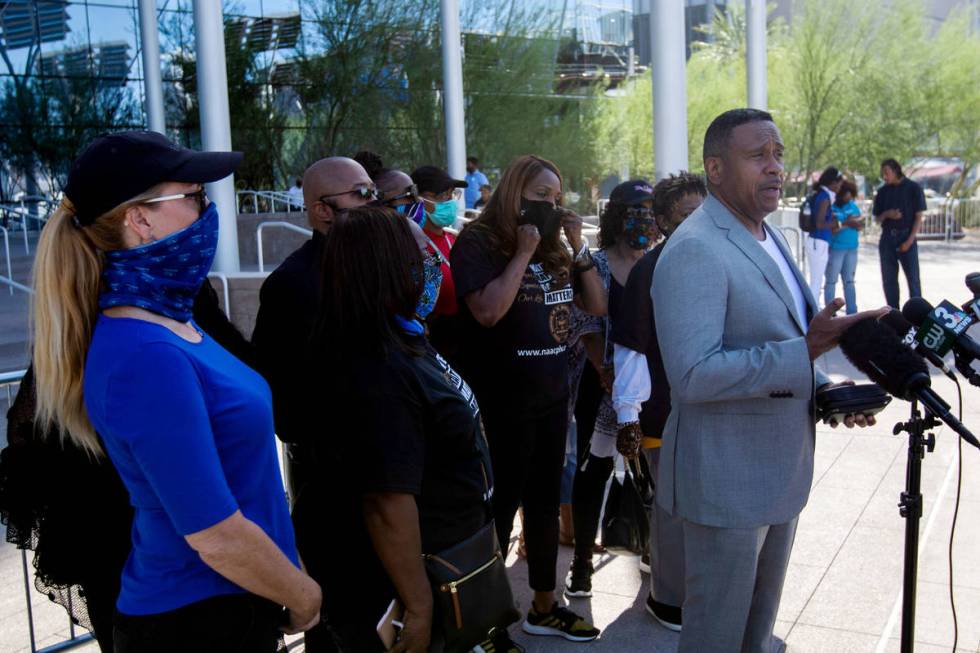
(738, 446)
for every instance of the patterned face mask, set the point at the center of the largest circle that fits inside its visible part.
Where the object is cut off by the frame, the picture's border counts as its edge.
(163, 276)
(431, 281)
(639, 228)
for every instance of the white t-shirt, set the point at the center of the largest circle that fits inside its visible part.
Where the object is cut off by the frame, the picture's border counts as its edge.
(769, 244)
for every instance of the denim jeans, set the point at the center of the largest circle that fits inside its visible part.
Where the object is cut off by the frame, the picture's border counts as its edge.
(891, 258)
(842, 263)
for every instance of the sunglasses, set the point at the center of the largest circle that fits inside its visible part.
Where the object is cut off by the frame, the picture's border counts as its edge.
(411, 192)
(641, 212)
(200, 196)
(364, 192)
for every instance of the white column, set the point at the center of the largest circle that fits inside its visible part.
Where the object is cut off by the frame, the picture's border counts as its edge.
(669, 61)
(755, 53)
(452, 89)
(152, 85)
(212, 90)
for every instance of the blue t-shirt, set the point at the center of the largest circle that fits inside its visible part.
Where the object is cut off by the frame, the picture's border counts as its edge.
(189, 428)
(846, 237)
(473, 182)
(821, 234)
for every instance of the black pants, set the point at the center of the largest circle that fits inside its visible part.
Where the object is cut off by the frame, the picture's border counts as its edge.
(236, 623)
(587, 494)
(891, 258)
(528, 455)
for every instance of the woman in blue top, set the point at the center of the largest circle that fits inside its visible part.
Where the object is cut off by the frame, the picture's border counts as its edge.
(844, 245)
(186, 424)
(818, 241)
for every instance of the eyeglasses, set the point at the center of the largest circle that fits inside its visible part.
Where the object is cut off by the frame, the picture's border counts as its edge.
(412, 192)
(364, 192)
(446, 196)
(199, 195)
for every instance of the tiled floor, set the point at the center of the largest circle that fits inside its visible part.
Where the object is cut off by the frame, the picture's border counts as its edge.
(843, 587)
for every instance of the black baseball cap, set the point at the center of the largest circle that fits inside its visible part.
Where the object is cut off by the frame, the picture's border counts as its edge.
(117, 167)
(432, 179)
(632, 192)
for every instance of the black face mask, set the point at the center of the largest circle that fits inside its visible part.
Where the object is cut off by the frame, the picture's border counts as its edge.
(542, 214)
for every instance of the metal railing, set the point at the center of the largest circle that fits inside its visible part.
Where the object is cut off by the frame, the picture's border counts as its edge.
(8, 280)
(8, 381)
(797, 242)
(18, 209)
(269, 200)
(225, 292)
(277, 224)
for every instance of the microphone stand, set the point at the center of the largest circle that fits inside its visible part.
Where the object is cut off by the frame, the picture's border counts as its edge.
(910, 508)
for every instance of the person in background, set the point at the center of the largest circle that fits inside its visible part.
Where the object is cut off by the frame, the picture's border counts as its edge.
(474, 181)
(82, 574)
(116, 353)
(439, 195)
(288, 304)
(516, 281)
(818, 242)
(847, 226)
(296, 195)
(416, 477)
(626, 231)
(899, 206)
(485, 191)
(641, 393)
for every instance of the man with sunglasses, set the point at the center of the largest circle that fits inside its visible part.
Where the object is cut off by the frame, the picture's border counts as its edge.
(288, 306)
(440, 197)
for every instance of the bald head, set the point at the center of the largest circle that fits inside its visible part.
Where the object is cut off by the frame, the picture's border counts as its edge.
(393, 182)
(335, 177)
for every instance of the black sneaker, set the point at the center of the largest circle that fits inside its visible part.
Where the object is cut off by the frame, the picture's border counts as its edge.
(560, 622)
(669, 616)
(578, 583)
(498, 642)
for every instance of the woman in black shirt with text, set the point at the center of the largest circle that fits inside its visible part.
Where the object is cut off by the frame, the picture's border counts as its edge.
(406, 470)
(516, 281)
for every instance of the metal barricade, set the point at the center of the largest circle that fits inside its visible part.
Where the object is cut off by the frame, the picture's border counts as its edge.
(10, 381)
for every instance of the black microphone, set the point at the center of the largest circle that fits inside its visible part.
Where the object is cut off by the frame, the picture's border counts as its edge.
(904, 330)
(942, 328)
(973, 284)
(901, 372)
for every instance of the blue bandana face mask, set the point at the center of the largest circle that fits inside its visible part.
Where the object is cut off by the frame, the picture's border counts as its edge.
(163, 276)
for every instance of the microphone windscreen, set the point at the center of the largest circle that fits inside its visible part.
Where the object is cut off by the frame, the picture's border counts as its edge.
(916, 310)
(973, 283)
(894, 320)
(880, 354)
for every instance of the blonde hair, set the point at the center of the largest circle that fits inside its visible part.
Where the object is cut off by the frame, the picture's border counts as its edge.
(67, 275)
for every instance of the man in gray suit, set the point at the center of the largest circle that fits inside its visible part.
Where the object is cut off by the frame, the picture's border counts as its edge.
(739, 332)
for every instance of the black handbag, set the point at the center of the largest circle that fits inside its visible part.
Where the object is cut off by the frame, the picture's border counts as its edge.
(471, 589)
(625, 522)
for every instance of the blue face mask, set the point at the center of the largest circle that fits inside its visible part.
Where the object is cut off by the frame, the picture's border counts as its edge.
(444, 215)
(163, 276)
(414, 212)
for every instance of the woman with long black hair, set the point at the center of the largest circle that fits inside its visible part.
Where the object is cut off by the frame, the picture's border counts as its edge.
(408, 472)
(516, 282)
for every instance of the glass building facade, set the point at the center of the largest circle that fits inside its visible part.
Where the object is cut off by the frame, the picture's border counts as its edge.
(70, 69)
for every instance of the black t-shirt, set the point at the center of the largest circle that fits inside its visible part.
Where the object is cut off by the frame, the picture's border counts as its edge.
(636, 328)
(520, 363)
(404, 424)
(907, 196)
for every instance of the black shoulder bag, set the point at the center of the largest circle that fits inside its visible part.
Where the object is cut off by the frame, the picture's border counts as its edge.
(472, 592)
(625, 522)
